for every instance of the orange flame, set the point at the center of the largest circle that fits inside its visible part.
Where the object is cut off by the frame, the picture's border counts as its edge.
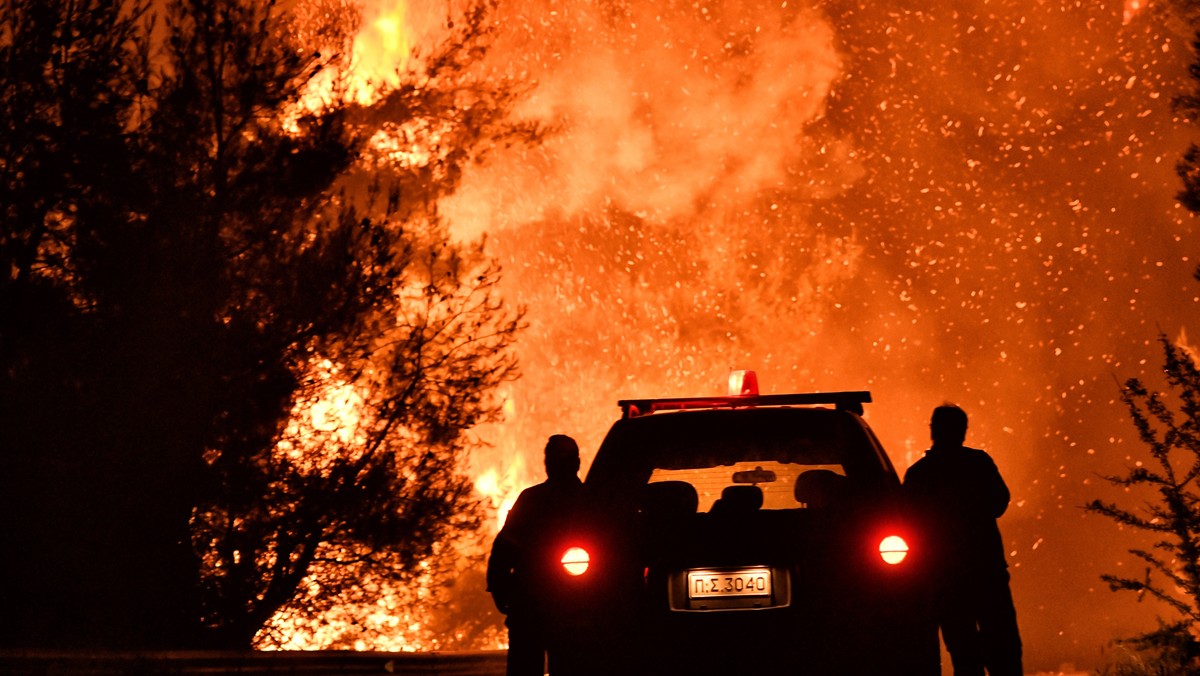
(364, 64)
(383, 46)
(506, 473)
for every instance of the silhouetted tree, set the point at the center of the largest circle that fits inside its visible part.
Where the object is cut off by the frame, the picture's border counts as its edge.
(228, 358)
(1188, 105)
(1171, 482)
(86, 556)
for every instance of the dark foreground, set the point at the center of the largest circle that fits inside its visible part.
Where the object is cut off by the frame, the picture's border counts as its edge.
(480, 663)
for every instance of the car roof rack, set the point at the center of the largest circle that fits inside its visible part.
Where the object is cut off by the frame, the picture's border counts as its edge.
(843, 401)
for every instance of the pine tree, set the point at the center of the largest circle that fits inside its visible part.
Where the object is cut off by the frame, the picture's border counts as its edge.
(233, 357)
(1171, 481)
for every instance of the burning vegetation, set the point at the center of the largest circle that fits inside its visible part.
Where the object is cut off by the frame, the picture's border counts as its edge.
(243, 357)
(250, 305)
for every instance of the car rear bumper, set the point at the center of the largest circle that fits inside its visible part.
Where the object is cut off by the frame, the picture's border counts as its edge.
(853, 636)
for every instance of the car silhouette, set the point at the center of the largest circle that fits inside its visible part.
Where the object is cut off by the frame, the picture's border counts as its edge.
(745, 534)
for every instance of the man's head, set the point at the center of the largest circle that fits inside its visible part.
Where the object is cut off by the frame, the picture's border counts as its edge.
(562, 457)
(948, 426)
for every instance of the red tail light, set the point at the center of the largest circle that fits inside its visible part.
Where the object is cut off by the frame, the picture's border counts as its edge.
(575, 560)
(893, 549)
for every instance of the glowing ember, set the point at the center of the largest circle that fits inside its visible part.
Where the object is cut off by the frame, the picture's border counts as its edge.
(1132, 7)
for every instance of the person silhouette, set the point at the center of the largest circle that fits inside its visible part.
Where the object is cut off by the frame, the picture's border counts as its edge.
(522, 556)
(958, 494)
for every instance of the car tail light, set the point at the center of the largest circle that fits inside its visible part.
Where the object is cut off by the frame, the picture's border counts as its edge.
(575, 560)
(893, 549)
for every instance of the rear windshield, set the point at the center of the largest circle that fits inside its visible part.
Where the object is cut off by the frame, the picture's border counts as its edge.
(776, 481)
(771, 458)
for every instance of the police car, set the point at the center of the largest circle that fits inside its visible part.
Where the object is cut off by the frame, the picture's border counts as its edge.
(747, 533)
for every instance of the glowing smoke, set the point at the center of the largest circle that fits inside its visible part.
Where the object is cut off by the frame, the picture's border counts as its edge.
(662, 111)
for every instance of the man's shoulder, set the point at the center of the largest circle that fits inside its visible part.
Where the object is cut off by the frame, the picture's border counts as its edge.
(978, 455)
(922, 466)
(527, 495)
(938, 460)
(930, 459)
(549, 490)
(533, 490)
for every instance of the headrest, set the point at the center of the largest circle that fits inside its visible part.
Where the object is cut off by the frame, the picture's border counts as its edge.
(819, 487)
(670, 498)
(740, 498)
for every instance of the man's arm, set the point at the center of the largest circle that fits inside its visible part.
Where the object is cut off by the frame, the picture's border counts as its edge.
(996, 490)
(500, 570)
(915, 482)
(502, 562)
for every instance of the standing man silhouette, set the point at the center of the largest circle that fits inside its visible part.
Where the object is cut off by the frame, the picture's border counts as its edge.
(959, 494)
(523, 557)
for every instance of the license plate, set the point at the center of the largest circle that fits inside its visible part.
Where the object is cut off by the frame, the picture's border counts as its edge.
(707, 584)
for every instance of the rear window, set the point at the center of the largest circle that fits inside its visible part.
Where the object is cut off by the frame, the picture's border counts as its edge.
(776, 481)
(775, 458)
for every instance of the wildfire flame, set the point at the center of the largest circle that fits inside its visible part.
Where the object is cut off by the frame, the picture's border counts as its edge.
(382, 47)
(501, 491)
(362, 64)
